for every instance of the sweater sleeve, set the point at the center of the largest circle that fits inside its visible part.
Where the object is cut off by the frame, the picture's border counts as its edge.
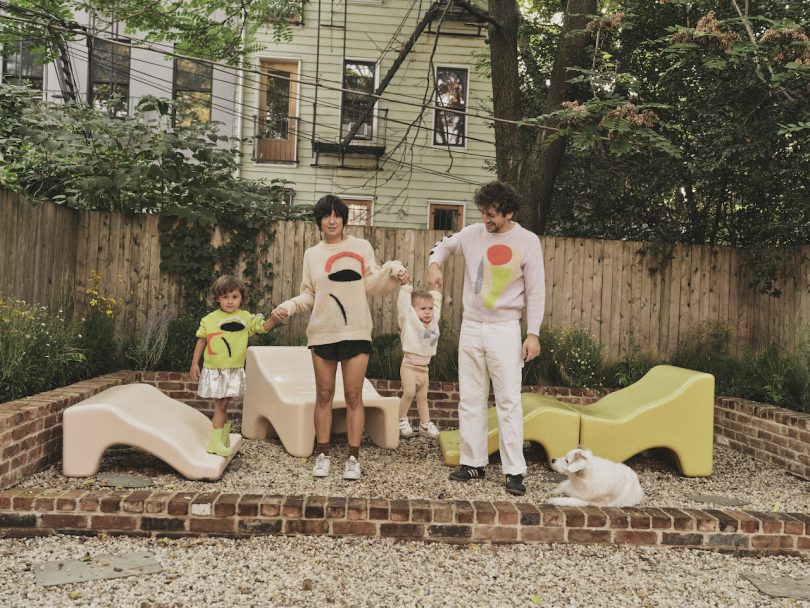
(256, 325)
(535, 280)
(449, 245)
(403, 304)
(380, 281)
(304, 301)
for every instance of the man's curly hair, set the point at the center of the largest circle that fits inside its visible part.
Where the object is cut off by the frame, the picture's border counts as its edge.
(497, 195)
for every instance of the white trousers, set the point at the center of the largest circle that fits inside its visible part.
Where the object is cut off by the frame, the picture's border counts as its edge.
(491, 351)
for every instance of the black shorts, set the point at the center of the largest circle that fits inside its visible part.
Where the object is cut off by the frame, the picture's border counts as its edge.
(343, 350)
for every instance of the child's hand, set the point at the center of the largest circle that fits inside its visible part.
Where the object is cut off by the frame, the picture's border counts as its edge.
(403, 277)
(279, 314)
(194, 372)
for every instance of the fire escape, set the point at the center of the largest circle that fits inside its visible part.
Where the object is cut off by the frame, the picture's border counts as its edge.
(360, 134)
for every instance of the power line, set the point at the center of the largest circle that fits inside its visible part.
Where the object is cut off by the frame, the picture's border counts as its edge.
(395, 161)
(317, 83)
(300, 97)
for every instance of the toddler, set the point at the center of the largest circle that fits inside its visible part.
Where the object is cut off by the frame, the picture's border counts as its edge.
(223, 335)
(418, 317)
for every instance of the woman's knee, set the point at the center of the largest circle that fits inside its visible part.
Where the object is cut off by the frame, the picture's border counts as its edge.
(324, 396)
(354, 398)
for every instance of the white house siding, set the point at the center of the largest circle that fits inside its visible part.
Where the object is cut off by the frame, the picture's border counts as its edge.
(151, 73)
(400, 194)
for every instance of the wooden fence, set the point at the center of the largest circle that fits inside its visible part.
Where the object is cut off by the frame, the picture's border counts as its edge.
(618, 290)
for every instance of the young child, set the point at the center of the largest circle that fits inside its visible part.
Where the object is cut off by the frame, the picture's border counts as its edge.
(223, 335)
(418, 317)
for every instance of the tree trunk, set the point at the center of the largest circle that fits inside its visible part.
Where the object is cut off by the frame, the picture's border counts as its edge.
(545, 160)
(507, 103)
(532, 168)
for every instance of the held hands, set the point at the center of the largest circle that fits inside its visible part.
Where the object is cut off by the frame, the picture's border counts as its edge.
(403, 277)
(531, 347)
(435, 280)
(279, 314)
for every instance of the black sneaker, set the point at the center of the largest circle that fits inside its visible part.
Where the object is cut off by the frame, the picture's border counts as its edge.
(466, 473)
(514, 485)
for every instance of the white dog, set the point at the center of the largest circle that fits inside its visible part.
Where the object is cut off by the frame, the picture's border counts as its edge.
(595, 481)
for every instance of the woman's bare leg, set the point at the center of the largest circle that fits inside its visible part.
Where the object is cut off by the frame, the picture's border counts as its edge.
(325, 371)
(354, 373)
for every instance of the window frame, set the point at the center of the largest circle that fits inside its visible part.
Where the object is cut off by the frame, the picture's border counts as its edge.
(437, 111)
(20, 49)
(373, 117)
(176, 89)
(295, 96)
(91, 72)
(446, 204)
(367, 201)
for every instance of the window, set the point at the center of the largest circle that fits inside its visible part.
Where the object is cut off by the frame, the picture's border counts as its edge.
(192, 91)
(21, 65)
(357, 76)
(277, 123)
(359, 211)
(449, 128)
(446, 216)
(109, 77)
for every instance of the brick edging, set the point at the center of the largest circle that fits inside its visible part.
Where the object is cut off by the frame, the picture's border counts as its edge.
(41, 511)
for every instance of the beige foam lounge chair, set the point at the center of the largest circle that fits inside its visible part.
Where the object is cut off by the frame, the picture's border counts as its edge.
(141, 416)
(280, 401)
(669, 407)
(547, 421)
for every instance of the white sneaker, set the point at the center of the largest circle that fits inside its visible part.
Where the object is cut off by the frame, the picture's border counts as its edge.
(322, 465)
(405, 428)
(352, 470)
(429, 429)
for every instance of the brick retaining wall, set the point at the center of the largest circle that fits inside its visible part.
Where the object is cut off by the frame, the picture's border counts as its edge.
(147, 513)
(31, 434)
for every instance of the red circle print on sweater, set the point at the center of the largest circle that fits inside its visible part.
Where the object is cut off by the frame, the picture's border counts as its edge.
(498, 255)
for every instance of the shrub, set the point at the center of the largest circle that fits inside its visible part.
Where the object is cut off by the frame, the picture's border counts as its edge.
(706, 348)
(145, 349)
(99, 345)
(444, 364)
(384, 362)
(543, 370)
(579, 359)
(39, 350)
(180, 341)
(630, 368)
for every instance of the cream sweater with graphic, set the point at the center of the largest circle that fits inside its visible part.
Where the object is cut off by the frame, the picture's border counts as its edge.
(503, 272)
(416, 338)
(336, 282)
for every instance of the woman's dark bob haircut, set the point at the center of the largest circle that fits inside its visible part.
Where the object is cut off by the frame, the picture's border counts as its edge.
(328, 203)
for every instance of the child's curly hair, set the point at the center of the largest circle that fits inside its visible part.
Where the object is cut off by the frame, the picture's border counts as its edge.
(226, 283)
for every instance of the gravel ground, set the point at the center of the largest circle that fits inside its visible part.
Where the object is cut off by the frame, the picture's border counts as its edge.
(321, 571)
(415, 470)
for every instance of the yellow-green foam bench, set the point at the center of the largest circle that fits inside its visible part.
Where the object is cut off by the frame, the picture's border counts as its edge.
(547, 421)
(670, 407)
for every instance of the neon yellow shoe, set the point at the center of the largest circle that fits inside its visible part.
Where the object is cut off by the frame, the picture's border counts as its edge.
(226, 435)
(215, 445)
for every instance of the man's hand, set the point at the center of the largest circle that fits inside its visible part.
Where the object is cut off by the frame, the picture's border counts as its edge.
(531, 347)
(435, 280)
(403, 277)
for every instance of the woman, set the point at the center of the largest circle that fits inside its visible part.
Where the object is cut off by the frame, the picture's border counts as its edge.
(339, 273)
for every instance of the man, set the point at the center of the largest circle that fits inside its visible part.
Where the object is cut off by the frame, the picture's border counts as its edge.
(503, 270)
